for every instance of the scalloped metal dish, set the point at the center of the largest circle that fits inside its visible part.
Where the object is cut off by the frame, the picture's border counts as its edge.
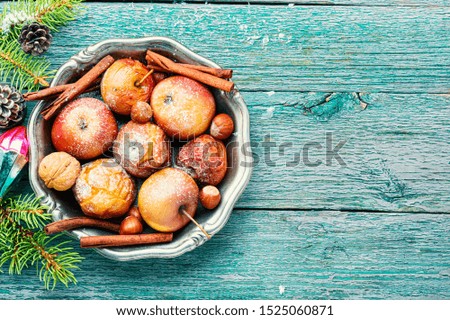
(62, 205)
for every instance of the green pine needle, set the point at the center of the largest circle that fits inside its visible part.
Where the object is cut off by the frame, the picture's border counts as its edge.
(20, 69)
(23, 244)
(28, 210)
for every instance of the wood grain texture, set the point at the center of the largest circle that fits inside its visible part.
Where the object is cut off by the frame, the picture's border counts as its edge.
(379, 3)
(397, 153)
(300, 48)
(314, 255)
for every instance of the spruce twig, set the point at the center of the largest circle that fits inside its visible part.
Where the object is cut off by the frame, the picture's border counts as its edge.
(16, 67)
(23, 244)
(20, 69)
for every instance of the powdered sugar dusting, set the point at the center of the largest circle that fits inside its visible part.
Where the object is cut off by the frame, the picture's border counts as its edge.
(85, 128)
(182, 106)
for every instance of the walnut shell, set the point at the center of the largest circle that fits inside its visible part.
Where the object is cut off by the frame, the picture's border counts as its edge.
(59, 171)
(104, 190)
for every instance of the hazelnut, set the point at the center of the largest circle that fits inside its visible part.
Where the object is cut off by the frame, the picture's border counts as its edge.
(210, 197)
(59, 171)
(130, 225)
(222, 126)
(141, 112)
(134, 212)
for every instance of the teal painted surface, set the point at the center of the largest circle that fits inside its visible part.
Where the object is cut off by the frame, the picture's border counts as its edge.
(379, 3)
(314, 255)
(396, 152)
(305, 48)
(376, 228)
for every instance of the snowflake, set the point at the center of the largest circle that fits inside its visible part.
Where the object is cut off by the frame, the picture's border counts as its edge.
(281, 288)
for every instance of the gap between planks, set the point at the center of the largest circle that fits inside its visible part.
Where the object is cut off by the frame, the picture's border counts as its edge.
(343, 211)
(445, 94)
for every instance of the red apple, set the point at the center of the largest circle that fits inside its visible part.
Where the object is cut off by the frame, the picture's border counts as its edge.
(85, 128)
(122, 85)
(182, 107)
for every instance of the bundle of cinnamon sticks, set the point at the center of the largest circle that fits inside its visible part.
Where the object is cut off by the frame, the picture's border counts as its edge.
(62, 94)
(213, 77)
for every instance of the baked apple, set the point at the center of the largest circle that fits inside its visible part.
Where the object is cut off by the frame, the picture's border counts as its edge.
(205, 159)
(141, 148)
(122, 85)
(85, 128)
(104, 190)
(182, 107)
(164, 196)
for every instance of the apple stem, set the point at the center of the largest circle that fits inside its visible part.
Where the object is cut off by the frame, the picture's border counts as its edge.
(138, 84)
(196, 223)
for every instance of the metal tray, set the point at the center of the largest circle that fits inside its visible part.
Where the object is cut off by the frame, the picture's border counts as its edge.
(62, 205)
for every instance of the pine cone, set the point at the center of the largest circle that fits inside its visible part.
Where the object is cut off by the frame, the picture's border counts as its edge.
(12, 106)
(35, 38)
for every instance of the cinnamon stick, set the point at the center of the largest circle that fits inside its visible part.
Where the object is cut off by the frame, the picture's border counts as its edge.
(221, 73)
(124, 240)
(78, 87)
(47, 93)
(55, 96)
(155, 59)
(79, 222)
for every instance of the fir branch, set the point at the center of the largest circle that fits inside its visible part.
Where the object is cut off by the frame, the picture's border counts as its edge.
(23, 244)
(28, 210)
(22, 70)
(58, 13)
(18, 68)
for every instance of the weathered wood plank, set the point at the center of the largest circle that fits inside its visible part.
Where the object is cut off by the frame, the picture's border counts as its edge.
(300, 48)
(379, 3)
(314, 255)
(396, 152)
(375, 178)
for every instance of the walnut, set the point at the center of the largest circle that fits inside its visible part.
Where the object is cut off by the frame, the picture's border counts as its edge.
(59, 171)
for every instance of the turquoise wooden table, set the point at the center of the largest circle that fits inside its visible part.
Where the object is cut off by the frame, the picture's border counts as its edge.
(374, 78)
